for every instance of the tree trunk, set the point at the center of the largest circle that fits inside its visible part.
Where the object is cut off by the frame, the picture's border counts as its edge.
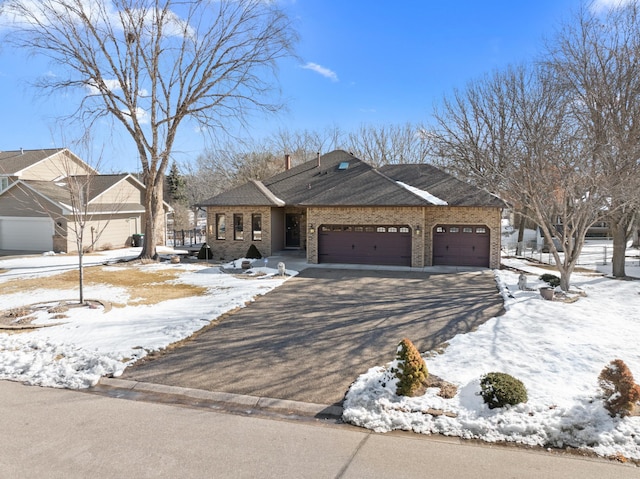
(521, 225)
(619, 233)
(150, 224)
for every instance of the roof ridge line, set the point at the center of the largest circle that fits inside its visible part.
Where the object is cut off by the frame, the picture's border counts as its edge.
(268, 193)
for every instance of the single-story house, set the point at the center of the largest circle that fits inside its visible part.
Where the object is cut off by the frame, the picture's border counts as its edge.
(342, 210)
(37, 208)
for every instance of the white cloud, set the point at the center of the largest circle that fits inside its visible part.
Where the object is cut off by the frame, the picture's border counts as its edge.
(112, 85)
(141, 115)
(325, 72)
(601, 5)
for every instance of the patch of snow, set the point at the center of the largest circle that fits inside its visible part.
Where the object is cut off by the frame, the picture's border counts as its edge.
(556, 349)
(425, 195)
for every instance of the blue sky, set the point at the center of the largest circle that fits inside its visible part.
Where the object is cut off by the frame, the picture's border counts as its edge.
(361, 62)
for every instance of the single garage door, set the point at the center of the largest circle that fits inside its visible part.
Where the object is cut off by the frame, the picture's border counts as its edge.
(461, 245)
(26, 234)
(365, 244)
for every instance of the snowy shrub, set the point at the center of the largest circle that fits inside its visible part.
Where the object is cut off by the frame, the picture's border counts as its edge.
(620, 391)
(551, 279)
(500, 389)
(411, 370)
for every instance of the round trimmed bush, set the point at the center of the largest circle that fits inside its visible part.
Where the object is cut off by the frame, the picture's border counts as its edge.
(501, 389)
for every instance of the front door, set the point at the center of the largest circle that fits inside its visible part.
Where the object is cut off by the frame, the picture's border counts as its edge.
(292, 225)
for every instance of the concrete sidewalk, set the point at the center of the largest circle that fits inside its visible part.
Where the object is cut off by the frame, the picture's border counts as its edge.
(56, 433)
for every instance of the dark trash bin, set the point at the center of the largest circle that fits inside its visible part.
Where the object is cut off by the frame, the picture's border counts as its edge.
(137, 240)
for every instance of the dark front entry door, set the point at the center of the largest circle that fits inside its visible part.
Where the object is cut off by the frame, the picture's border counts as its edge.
(292, 225)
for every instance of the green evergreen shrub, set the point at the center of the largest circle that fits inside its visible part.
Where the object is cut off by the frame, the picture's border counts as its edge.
(411, 370)
(205, 252)
(253, 253)
(500, 389)
(551, 279)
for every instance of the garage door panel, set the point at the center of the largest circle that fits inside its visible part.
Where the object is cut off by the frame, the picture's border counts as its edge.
(351, 244)
(26, 234)
(461, 245)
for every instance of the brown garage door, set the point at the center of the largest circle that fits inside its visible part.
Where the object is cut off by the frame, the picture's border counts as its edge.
(461, 245)
(360, 244)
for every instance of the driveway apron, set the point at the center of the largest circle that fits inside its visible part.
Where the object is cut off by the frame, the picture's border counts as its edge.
(309, 339)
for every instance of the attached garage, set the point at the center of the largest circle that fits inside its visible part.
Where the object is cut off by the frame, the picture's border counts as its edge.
(26, 234)
(461, 245)
(365, 244)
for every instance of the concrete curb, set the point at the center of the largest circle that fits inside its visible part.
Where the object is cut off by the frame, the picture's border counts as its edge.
(239, 400)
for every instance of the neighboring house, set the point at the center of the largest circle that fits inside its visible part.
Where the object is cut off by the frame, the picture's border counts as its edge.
(36, 211)
(342, 210)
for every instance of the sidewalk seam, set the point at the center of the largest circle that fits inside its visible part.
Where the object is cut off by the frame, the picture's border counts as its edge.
(344, 468)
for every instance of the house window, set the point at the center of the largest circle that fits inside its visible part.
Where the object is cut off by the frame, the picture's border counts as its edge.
(404, 229)
(4, 183)
(466, 229)
(221, 226)
(256, 227)
(238, 228)
(392, 229)
(454, 229)
(440, 229)
(381, 229)
(481, 230)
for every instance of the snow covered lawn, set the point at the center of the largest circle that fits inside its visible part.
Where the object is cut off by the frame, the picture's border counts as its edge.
(556, 349)
(90, 343)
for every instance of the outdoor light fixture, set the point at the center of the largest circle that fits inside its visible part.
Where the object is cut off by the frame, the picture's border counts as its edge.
(417, 229)
(311, 229)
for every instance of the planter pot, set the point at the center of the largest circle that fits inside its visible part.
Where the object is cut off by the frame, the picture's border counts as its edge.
(246, 264)
(547, 293)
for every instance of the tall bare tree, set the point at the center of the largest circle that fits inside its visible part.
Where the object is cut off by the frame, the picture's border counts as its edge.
(512, 133)
(596, 55)
(390, 144)
(152, 65)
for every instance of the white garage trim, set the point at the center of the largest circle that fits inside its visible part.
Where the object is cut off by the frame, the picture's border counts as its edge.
(26, 234)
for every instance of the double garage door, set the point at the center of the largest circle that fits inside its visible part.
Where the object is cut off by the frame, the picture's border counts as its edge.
(26, 234)
(360, 244)
(461, 245)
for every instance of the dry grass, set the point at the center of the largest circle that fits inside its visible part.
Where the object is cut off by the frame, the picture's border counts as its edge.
(144, 287)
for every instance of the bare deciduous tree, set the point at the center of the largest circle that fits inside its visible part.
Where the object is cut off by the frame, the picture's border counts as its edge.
(512, 132)
(597, 58)
(151, 65)
(390, 144)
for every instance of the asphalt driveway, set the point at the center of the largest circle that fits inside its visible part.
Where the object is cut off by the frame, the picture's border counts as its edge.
(309, 339)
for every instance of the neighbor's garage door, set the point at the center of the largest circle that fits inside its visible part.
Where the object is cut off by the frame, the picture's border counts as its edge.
(461, 245)
(26, 234)
(354, 244)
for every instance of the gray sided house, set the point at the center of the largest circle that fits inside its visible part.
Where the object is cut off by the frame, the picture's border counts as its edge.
(342, 210)
(37, 212)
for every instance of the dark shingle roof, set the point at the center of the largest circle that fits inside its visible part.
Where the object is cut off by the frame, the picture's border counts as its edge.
(441, 184)
(11, 162)
(58, 192)
(253, 193)
(341, 179)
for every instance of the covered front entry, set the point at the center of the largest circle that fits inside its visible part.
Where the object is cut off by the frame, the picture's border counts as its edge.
(292, 230)
(461, 245)
(365, 244)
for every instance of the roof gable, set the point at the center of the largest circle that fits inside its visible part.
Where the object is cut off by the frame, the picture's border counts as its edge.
(16, 163)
